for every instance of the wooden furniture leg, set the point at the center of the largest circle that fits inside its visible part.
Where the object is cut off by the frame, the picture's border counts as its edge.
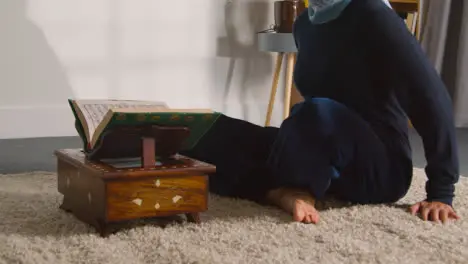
(289, 83)
(274, 87)
(103, 229)
(193, 218)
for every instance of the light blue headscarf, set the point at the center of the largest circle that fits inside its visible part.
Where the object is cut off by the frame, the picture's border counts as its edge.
(323, 11)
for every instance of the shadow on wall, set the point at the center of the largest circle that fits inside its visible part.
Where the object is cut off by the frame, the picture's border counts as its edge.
(242, 20)
(30, 71)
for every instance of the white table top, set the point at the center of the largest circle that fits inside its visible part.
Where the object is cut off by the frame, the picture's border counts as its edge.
(276, 42)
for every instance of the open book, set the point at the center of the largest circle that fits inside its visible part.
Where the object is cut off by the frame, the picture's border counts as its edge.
(94, 117)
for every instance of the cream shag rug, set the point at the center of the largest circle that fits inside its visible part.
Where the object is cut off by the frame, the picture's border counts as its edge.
(34, 230)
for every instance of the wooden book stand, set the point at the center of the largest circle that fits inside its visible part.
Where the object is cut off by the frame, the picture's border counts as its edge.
(100, 191)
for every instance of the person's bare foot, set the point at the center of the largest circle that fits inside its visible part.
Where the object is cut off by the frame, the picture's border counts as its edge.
(297, 202)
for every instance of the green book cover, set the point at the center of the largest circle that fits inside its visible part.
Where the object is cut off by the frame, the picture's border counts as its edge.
(197, 121)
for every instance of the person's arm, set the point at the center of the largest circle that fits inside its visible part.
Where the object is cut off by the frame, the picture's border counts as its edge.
(429, 105)
(299, 22)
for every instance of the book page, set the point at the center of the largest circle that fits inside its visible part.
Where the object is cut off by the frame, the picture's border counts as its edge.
(95, 110)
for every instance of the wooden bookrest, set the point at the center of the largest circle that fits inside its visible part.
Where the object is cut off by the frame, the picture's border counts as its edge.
(129, 141)
(102, 193)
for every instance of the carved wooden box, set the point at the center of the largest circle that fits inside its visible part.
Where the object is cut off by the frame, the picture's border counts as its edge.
(107, 192)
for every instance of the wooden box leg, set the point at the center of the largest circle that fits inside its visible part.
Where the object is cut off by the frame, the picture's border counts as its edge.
(66, 206)
(193, 218)
(101, 227)
(104, 229)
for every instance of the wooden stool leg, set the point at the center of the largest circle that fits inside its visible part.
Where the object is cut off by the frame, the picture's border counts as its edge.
(289, 83)
(193, 218)
(274, 87)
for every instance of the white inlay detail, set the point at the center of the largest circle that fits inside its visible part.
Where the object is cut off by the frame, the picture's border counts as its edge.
(68, 182)
(157, 206)
(89, 197)
(157, 183)
(138, 201)
(176, 198)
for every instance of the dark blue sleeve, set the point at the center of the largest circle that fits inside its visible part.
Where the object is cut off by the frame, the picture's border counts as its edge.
(428, 103)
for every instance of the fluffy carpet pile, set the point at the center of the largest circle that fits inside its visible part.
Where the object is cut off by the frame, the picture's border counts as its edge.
(34, 230)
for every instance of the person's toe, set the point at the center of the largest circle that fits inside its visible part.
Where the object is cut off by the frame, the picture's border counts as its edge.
(306, 218)
(304, 212)
(315, 217)
(298, 212)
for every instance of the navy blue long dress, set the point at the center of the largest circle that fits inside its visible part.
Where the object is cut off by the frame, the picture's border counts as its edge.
(362, 75)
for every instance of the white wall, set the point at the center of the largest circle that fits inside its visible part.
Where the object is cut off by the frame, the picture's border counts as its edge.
(189, 53)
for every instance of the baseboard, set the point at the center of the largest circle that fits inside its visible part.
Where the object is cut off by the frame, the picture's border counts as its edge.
(36, 121)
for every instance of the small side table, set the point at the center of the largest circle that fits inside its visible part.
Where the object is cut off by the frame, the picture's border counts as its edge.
(283, 44)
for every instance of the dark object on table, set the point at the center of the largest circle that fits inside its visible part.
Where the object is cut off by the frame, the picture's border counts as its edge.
(286, 13)
(126, 141)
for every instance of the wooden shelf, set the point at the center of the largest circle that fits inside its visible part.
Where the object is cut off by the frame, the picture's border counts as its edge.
(408, 6)
(405, 1)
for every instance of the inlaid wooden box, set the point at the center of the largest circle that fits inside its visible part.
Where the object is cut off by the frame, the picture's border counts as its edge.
(103, 193)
